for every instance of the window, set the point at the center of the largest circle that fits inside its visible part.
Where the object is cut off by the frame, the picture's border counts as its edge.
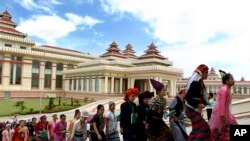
(59, 78)
(22, 47)
(35, 74)
(16, 71)
(8, 45)
(47, 75)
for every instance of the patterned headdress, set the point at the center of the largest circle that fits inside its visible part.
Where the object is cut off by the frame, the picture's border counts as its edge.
(156, 84)
(201, 69)
(131, 91)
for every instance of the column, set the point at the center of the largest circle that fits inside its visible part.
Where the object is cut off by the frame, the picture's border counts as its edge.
(174, 86)
(129, 79)
(237, 90)
(27, 74)
(72, 84)
(106, 84)
(64, 86)
(87, 84)
(132, 82)
(242, 90)
(248, 90)
(93, 84)
(6, 72)
(112, 84)
(41, 75)
(100, 84)
(82, 84)
(120, 85)
(77, 84)
(53, 77)
(151, 88)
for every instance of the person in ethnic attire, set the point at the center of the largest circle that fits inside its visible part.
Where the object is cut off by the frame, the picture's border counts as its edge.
(196, 98)
(21, 132)
(52, 125)
(72, 122)
(177, 123)
(128, 115)
(142, 109)
(98, 123)
(41, 129)
(222, 117)
(158, 129)
(60, 129)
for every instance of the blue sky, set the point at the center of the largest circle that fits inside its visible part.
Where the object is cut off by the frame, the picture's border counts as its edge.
(187, 32)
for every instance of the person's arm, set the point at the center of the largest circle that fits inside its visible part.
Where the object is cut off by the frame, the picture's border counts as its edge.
(85, 133)
(122, 118)
(96, 130)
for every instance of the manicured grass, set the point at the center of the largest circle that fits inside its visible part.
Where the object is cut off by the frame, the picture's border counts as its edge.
(7, 107)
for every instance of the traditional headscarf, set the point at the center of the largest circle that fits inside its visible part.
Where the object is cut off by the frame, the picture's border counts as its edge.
(157, 85)
(129, 92)
(197, 75)
(145, 94)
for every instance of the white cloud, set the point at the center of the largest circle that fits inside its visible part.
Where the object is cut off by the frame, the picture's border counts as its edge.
(43, 5)
(78, 20)
(193, 23)
(53, 27)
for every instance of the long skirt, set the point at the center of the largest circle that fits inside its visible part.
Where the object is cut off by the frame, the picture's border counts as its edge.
(177, 132)
(163, 134)
(200, 128)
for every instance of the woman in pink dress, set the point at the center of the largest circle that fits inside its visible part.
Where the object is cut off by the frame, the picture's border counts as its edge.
(222, 117)
(6, 135)
(60, 129)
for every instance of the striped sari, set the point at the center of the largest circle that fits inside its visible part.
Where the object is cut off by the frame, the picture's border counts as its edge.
(200, 128)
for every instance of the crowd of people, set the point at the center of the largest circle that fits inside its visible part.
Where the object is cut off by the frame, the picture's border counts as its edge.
(142, 122)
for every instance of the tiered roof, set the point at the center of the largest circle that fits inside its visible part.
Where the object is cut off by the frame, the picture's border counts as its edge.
(129, 52)
(152, 52)
(8, 25)
(113, 50)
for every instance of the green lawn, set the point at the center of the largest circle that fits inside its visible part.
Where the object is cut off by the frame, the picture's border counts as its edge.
(7, 107)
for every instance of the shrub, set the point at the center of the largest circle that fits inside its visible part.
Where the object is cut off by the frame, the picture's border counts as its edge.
(77, 102)
(31, 110)
(86, 99)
